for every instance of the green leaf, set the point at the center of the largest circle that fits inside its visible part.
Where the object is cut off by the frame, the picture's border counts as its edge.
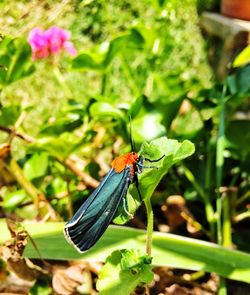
(68, 123)
(174, 152)
(36, 166)
(85, 61)
(238, 133)
(9, 115)
(242, 58)
(60, 147)
(15, 60)
(12, 199)
(100, 61)
(123, 271)
(41, 287)
(131, 40)
(239, 83)
(148, 127)
(136, 106)
(149, 179)
(168, 249)
(105, 109)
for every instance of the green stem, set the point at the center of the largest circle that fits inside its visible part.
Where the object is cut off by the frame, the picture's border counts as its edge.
(60, 78)
(39, 200)
(150, 226)
(219, 201)
(219, 164)
(208, 169)
(243, 198)
(103, 83)
(208, 206)
(242, 216)
(222, 288)
(17, 172)
(130, 78)
(227, 228)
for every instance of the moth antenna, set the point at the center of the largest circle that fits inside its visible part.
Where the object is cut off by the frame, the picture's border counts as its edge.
(131, 135)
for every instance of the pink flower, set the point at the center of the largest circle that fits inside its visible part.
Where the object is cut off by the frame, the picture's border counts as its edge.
(50, 42)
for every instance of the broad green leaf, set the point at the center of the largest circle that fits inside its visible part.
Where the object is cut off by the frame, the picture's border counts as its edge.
(36, 166)
(238, 133)
(15, 60)
(242, 58)
(9, 115)
(68, 123)
(131, 40)
(13, 199)
(123, 271)
(174, 152)
(136, 106)
(100, 61)
(105, 109)
(60, 147)
(168, 249)
(239, 82)
(85, 61)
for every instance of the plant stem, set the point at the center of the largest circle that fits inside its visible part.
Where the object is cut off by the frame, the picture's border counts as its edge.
(242, 216)
(227, 228)
(243, 198)
(219, 165)
(219, 201)
(129, 76)
(103, 83)
(61, 80)
(208, 206)
(39, 200)
(150, 226)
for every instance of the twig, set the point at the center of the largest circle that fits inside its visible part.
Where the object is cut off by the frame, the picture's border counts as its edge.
(24, 137)
(85, 177)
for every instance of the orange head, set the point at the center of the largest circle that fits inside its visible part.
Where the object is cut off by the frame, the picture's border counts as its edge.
(120, 163)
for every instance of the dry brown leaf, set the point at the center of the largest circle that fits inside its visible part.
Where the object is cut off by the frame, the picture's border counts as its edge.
(178, 290)
(66, 280)
(177, 214)
(4, 150)
(12, 251)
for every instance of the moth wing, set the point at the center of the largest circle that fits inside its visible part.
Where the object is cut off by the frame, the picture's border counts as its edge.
(94, 216)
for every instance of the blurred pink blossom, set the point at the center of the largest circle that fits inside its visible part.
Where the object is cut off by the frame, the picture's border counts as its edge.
(45, 43)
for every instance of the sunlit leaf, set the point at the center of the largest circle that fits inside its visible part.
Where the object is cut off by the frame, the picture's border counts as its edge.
(36, 166)
(168, 249)
(105, 109)
(13, 199)
(123, 271)
(94, 61)
(242, 58)
(15, 60)
(9, 115)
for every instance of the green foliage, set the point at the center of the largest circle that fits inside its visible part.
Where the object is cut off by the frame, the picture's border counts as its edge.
(9, 115)
(15, 60)
(36, 166)
(168, 250)
(123, 271)
(143, 60)
(242, 58)
(174, 152)
(100, 61)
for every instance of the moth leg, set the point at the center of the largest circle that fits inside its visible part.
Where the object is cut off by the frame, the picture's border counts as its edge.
(153, 161)
(125, 207)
